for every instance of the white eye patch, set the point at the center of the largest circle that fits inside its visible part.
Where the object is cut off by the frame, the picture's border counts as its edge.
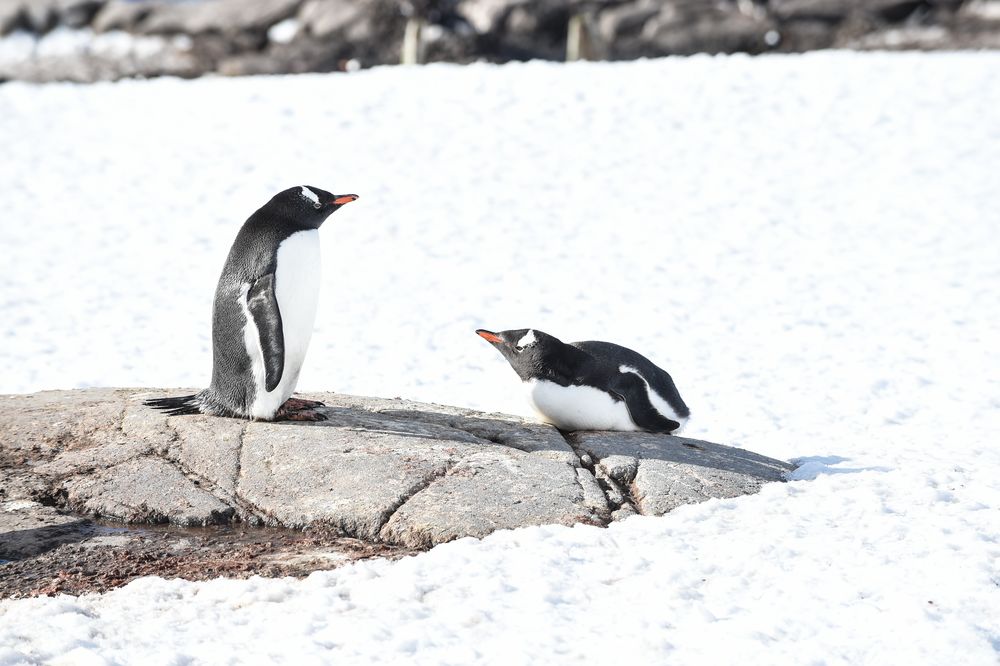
(307, 193)
(527, 339)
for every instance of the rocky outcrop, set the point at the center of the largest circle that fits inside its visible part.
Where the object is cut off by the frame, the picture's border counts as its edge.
(89, 40)
(85, 476)
(382, 471)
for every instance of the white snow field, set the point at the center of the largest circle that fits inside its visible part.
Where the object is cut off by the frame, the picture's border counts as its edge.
(809, 244)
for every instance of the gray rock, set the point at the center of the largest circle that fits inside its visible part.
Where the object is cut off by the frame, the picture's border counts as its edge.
(40, 16)
(465, 501)
(226, 17)
(706, 29)
(22, 483)
(43, 424)
(346, 18)
(802, 35)
(145, 490)
(626, 20)
(209, 450)
(833, 11)
(11, 15)
(352, 479)
(230, 37)
(386, 471)
(121, 15)
(656, 474)
(485, 15)
(536, 29)
(75, 462)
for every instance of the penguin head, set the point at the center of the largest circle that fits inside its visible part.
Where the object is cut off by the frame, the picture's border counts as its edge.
(307, 206)
(531, 353)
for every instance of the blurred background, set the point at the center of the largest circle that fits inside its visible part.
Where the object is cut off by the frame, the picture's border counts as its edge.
(93, 40)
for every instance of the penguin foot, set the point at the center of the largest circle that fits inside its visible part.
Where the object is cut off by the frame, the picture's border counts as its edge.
(299, 404)
(301, 415)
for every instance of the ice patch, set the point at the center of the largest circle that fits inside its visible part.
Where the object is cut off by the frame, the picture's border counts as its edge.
(283, 32)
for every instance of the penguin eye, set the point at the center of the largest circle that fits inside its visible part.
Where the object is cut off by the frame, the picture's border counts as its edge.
(317, 205)
(518, 348)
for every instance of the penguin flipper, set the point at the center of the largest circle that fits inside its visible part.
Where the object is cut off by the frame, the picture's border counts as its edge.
(263, 307)
(659, 379)
(630, 388)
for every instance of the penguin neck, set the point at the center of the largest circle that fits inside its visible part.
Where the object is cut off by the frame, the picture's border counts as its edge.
(284, 221)
(293, 225)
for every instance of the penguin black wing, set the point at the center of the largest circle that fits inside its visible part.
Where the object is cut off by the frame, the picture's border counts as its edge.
(263, 307)
(629, 387)
(658, 378)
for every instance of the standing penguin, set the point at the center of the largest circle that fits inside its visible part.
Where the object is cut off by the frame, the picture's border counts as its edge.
(591, 385)
(265, 306)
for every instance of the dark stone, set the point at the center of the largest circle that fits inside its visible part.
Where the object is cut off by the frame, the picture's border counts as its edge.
(709, 32)
(805, 35)
(225, 17)
(12, 16)
(121, 15)
(41, 16)
(835, 11)
(231, 36)
(625, 21)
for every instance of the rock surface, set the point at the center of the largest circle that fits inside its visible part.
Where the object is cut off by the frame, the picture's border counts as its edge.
(89, 40)
(385, 472)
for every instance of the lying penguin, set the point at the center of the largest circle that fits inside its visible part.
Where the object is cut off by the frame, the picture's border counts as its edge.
(265, 307)
(591, 385)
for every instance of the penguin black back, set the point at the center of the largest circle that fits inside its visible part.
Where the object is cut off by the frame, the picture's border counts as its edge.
(658, 378)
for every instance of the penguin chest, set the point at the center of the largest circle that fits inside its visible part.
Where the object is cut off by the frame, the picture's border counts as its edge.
(577, 407)
(296, 291)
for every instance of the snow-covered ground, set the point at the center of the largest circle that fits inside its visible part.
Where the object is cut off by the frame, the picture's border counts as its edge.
(810, 244)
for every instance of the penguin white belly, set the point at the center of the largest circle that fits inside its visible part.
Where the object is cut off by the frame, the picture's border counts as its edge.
(577, 407)
(296, 290)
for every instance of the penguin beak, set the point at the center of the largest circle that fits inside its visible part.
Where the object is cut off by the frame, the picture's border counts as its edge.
(345, 199)
(489, 336)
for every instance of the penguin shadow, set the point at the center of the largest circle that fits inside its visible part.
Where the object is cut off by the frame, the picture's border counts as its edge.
(677, 450)
(526, 436)
(419, 424)
(808, 468)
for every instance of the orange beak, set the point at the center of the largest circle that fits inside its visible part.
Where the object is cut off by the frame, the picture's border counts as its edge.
(345, 199)
(489, 336)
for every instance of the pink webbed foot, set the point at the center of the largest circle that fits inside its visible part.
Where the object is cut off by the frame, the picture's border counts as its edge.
(298, 404)
(299, 415)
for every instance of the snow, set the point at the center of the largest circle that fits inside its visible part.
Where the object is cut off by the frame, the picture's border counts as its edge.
(807, 244)
(62, 42)
(284, 32)
(17, 46)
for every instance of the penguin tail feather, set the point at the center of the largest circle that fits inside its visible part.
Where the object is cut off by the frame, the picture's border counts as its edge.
(185, 404)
